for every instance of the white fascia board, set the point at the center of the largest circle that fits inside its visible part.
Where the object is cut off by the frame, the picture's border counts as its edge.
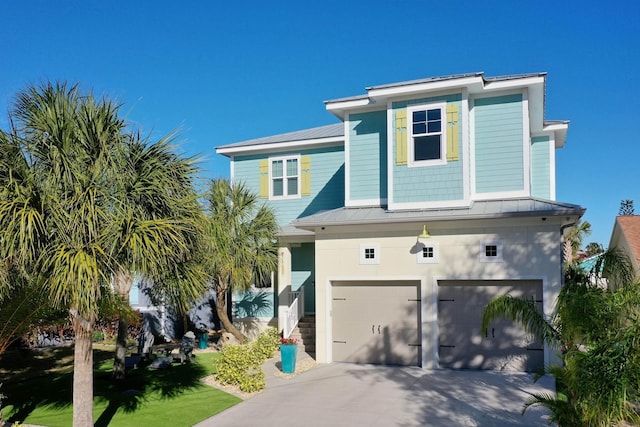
(246, 149)
(423, 87)
(514, 83)
(428, 205)
(560, 132)
(339, 108)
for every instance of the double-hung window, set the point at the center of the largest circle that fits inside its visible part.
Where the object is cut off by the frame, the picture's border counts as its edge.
(285, 177)
(427, 127)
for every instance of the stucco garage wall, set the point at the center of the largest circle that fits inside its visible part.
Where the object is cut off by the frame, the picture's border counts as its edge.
(530, 250)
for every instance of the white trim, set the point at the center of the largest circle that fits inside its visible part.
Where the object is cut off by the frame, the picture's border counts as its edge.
(552, 167)
(424, 313)
(464, 129)
(420, 259)
(232, 167)
(365, 202)
(499, 257)
(284, 178)
(390, 152)
(429, 205)
(350, 103)
(411, 89)
(513, 83)
(526, 143)
(347, 159)
(500, 195)
(472, 148)
(411, 162)
(376, 254)
(297, 145)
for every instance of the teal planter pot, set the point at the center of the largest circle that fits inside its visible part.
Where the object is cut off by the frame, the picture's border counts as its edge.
(288, 353)
(203, 340)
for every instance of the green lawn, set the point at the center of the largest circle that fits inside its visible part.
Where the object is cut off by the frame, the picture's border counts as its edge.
(38, 386)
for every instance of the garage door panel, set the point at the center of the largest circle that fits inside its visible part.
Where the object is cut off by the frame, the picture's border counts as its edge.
(376, 323)
(505, 346)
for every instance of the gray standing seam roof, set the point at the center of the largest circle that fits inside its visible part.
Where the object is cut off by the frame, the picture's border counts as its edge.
(328, 131)
(507, 208)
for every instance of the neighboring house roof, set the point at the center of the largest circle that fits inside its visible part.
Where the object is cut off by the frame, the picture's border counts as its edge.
(321, 133)
(489, 209)
(627, 227)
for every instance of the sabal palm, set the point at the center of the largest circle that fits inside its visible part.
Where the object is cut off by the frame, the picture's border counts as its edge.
(241, 235)
(158, 224)
(68, 225)
(597, 333)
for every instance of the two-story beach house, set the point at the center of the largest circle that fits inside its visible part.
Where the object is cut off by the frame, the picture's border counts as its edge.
(400, 222)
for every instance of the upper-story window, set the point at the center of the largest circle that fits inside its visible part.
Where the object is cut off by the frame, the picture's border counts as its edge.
(427, 141)
(285, 177)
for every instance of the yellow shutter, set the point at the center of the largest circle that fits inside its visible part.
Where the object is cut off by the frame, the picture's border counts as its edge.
(452, 132)
(264, 178)
(305, 170)
(401, 137)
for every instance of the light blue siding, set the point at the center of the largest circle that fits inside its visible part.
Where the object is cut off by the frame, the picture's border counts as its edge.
(303, 274)
(540, 167)
(499, 162)
(254, 303)
(327, 182)
(430, 183)
(368, 155)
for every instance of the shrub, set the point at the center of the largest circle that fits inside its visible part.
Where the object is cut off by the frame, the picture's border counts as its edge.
(239, 365)
(267, 343)
(97, 336)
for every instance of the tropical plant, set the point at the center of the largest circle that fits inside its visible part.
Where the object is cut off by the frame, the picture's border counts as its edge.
(597, 333)
(241, 236)
(574, 238)
(158, 224)
(593, 248)
(68, 228)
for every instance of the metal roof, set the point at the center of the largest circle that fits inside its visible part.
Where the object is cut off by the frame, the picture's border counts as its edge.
(328, 131)
(490, 209)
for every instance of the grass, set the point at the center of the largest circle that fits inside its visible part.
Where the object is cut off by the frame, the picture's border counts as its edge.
(38, 386)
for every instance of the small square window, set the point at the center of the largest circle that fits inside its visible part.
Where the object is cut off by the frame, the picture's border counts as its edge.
(427, 254)
(491, 252)
(369, 253)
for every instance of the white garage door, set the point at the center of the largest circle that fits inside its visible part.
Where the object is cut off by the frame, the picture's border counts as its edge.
(376, 322)
(505, 346)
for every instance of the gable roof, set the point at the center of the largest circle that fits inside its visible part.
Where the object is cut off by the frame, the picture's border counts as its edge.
(629, 226)
(486, 209)
(328, 133)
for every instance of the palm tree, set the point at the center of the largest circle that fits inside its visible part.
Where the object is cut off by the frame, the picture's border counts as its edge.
(68, 225)
(158, 225)
(597, 334)
(242, 236)
(574, 239)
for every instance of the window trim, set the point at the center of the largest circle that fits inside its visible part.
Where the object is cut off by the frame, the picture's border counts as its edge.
(411, 162)
(433, 260)
(284, 159)
(376, 253)
(499, 251)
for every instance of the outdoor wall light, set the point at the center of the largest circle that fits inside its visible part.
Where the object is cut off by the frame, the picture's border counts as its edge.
(425, 233)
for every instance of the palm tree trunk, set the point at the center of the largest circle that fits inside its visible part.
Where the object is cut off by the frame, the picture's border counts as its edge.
(123, 282)
(82, 373)
(221, 310)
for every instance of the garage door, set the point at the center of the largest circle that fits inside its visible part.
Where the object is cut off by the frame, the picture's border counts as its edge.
(505, 346)
(376, 323)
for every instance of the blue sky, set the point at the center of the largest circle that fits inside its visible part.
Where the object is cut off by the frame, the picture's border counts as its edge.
(223, 72)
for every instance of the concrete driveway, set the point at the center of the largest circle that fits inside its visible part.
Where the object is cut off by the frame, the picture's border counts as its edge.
(341, 394)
